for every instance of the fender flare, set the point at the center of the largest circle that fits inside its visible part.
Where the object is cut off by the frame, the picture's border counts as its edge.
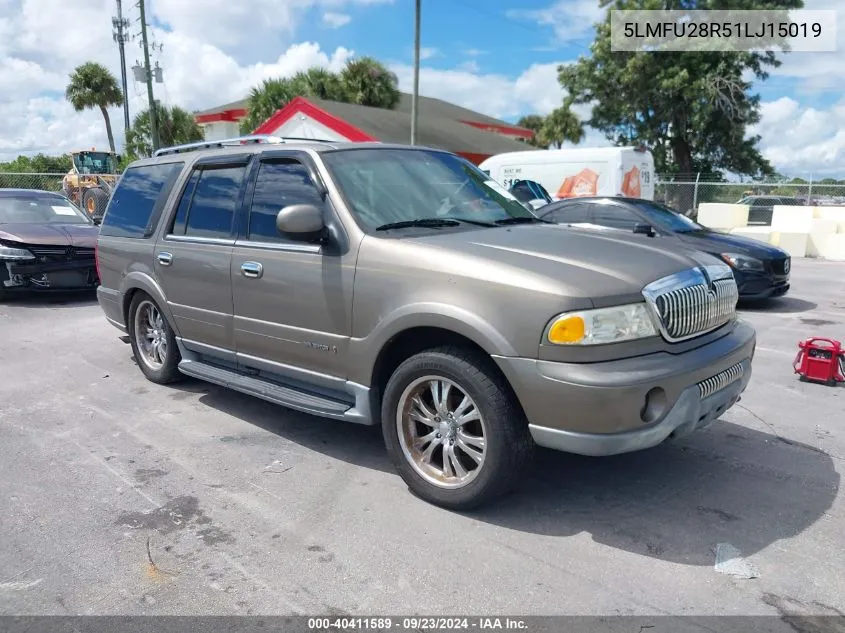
(140, 280)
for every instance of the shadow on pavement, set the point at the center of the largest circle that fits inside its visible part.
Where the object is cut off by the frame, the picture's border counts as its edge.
(726, 484)
(781, 305)
(51, 299)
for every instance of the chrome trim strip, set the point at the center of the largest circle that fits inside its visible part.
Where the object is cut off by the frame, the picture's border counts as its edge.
(199, 240)
(715, 384)
(283, 247)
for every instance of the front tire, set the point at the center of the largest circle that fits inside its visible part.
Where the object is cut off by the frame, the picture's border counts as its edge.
(94, 201)
(153, 341)
(453, 429)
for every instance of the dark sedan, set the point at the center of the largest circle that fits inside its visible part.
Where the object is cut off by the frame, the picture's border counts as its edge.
(46, 243)
(761, 270)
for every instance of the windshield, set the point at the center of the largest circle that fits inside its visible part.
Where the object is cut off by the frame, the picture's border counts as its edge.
(39, 209)
(385, 186)
(666, 218)
(93, 163)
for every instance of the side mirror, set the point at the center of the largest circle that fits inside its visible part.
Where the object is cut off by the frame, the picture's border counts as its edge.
(301, 222)
(644, 229)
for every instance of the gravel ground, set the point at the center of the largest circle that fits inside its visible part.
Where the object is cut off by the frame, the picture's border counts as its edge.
(118, 496)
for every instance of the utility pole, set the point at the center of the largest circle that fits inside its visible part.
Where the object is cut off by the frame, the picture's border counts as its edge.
(149, 77)
(416, 94)
(121, 25)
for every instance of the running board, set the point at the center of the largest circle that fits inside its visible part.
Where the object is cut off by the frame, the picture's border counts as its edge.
(266, 390)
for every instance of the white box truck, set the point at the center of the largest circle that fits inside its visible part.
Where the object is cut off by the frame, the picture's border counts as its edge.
(570, 173)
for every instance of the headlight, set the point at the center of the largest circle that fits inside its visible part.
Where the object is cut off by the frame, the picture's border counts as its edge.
(604, 325)
(7, 252)
(743, 262)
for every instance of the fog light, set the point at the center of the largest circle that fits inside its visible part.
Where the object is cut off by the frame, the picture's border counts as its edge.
(654, 406)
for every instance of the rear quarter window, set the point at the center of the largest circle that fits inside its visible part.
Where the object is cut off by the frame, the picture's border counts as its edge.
(138, 200)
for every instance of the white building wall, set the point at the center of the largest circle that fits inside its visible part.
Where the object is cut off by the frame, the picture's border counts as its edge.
(219, 130)
(303, 126)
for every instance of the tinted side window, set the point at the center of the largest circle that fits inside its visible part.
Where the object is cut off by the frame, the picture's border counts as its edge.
(214, 202)
(138, 200)
(571, 213)
(278, 184)
(181, 219)
(614, 216)
(522, 192)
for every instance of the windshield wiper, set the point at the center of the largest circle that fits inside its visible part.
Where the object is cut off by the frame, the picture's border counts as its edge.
(431, 222)
(522, 220)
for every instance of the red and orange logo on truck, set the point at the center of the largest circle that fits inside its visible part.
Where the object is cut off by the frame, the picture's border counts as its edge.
(584, 183)
(631, 183)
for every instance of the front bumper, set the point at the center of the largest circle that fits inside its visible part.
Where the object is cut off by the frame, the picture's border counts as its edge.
(627, 405)
(70, 275)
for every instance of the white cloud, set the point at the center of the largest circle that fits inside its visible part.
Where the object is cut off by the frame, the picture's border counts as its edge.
(571, 19)
(428, 53)
(336, 20)
(816, 72)
(474, 52)
(470, 66)
(535, 91)
(40, 51)
(802, 141)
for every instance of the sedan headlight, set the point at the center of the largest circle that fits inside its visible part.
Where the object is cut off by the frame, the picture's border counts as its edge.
(7, 252)
(743, 262)
(603, 325)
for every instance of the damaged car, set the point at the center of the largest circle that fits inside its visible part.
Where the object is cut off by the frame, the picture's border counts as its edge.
(46, 243)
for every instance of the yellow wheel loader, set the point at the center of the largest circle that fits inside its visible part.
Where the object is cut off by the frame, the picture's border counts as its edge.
(89, 182)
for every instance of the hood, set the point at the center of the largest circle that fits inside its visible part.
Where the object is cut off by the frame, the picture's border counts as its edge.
(608, 267)
(80, 235)
(714, 242)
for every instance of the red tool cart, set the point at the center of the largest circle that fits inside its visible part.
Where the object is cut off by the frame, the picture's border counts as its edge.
(820, 360)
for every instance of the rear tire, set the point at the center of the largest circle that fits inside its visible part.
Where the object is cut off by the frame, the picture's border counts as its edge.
(153, 341)
(470, 449)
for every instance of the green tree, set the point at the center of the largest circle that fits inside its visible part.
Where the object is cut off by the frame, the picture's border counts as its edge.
(93, 86)
(533, 122)
(364, 81)
(38, 164)
(175, 127)
(560, 126)
(368, 82)
(692, 109)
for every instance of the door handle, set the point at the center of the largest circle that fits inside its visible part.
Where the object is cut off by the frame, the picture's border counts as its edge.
(165, 259)
(253, 270)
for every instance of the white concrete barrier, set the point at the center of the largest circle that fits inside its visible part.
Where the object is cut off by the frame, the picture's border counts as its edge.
(793, 243)
(792, 219)
(837, 214)
(722, 216)
(819, 232)
(833, 247)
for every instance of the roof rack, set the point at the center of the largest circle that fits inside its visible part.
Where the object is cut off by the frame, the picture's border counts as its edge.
(238, 140)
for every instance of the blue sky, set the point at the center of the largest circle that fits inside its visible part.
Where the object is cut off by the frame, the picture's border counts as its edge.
(495, 56)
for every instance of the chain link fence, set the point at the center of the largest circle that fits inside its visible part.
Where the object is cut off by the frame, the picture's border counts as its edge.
(45, 182)
(686, 193)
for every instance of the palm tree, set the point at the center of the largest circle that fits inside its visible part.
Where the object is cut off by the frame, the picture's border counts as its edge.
(533, 122)
(175, 127)
(265, 99)
(560, 126)
(367, 81)
(93, 86)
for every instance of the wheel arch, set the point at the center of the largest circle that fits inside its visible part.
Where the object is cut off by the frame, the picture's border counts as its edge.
(137, 281)
(416, 339)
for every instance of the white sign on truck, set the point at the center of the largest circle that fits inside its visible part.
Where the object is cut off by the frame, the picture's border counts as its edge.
(571, 173)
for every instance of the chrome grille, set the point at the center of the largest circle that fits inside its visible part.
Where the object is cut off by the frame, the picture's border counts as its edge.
(721, 380)
(693, 302)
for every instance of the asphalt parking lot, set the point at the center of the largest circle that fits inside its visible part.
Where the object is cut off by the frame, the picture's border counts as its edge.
(118, 496)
